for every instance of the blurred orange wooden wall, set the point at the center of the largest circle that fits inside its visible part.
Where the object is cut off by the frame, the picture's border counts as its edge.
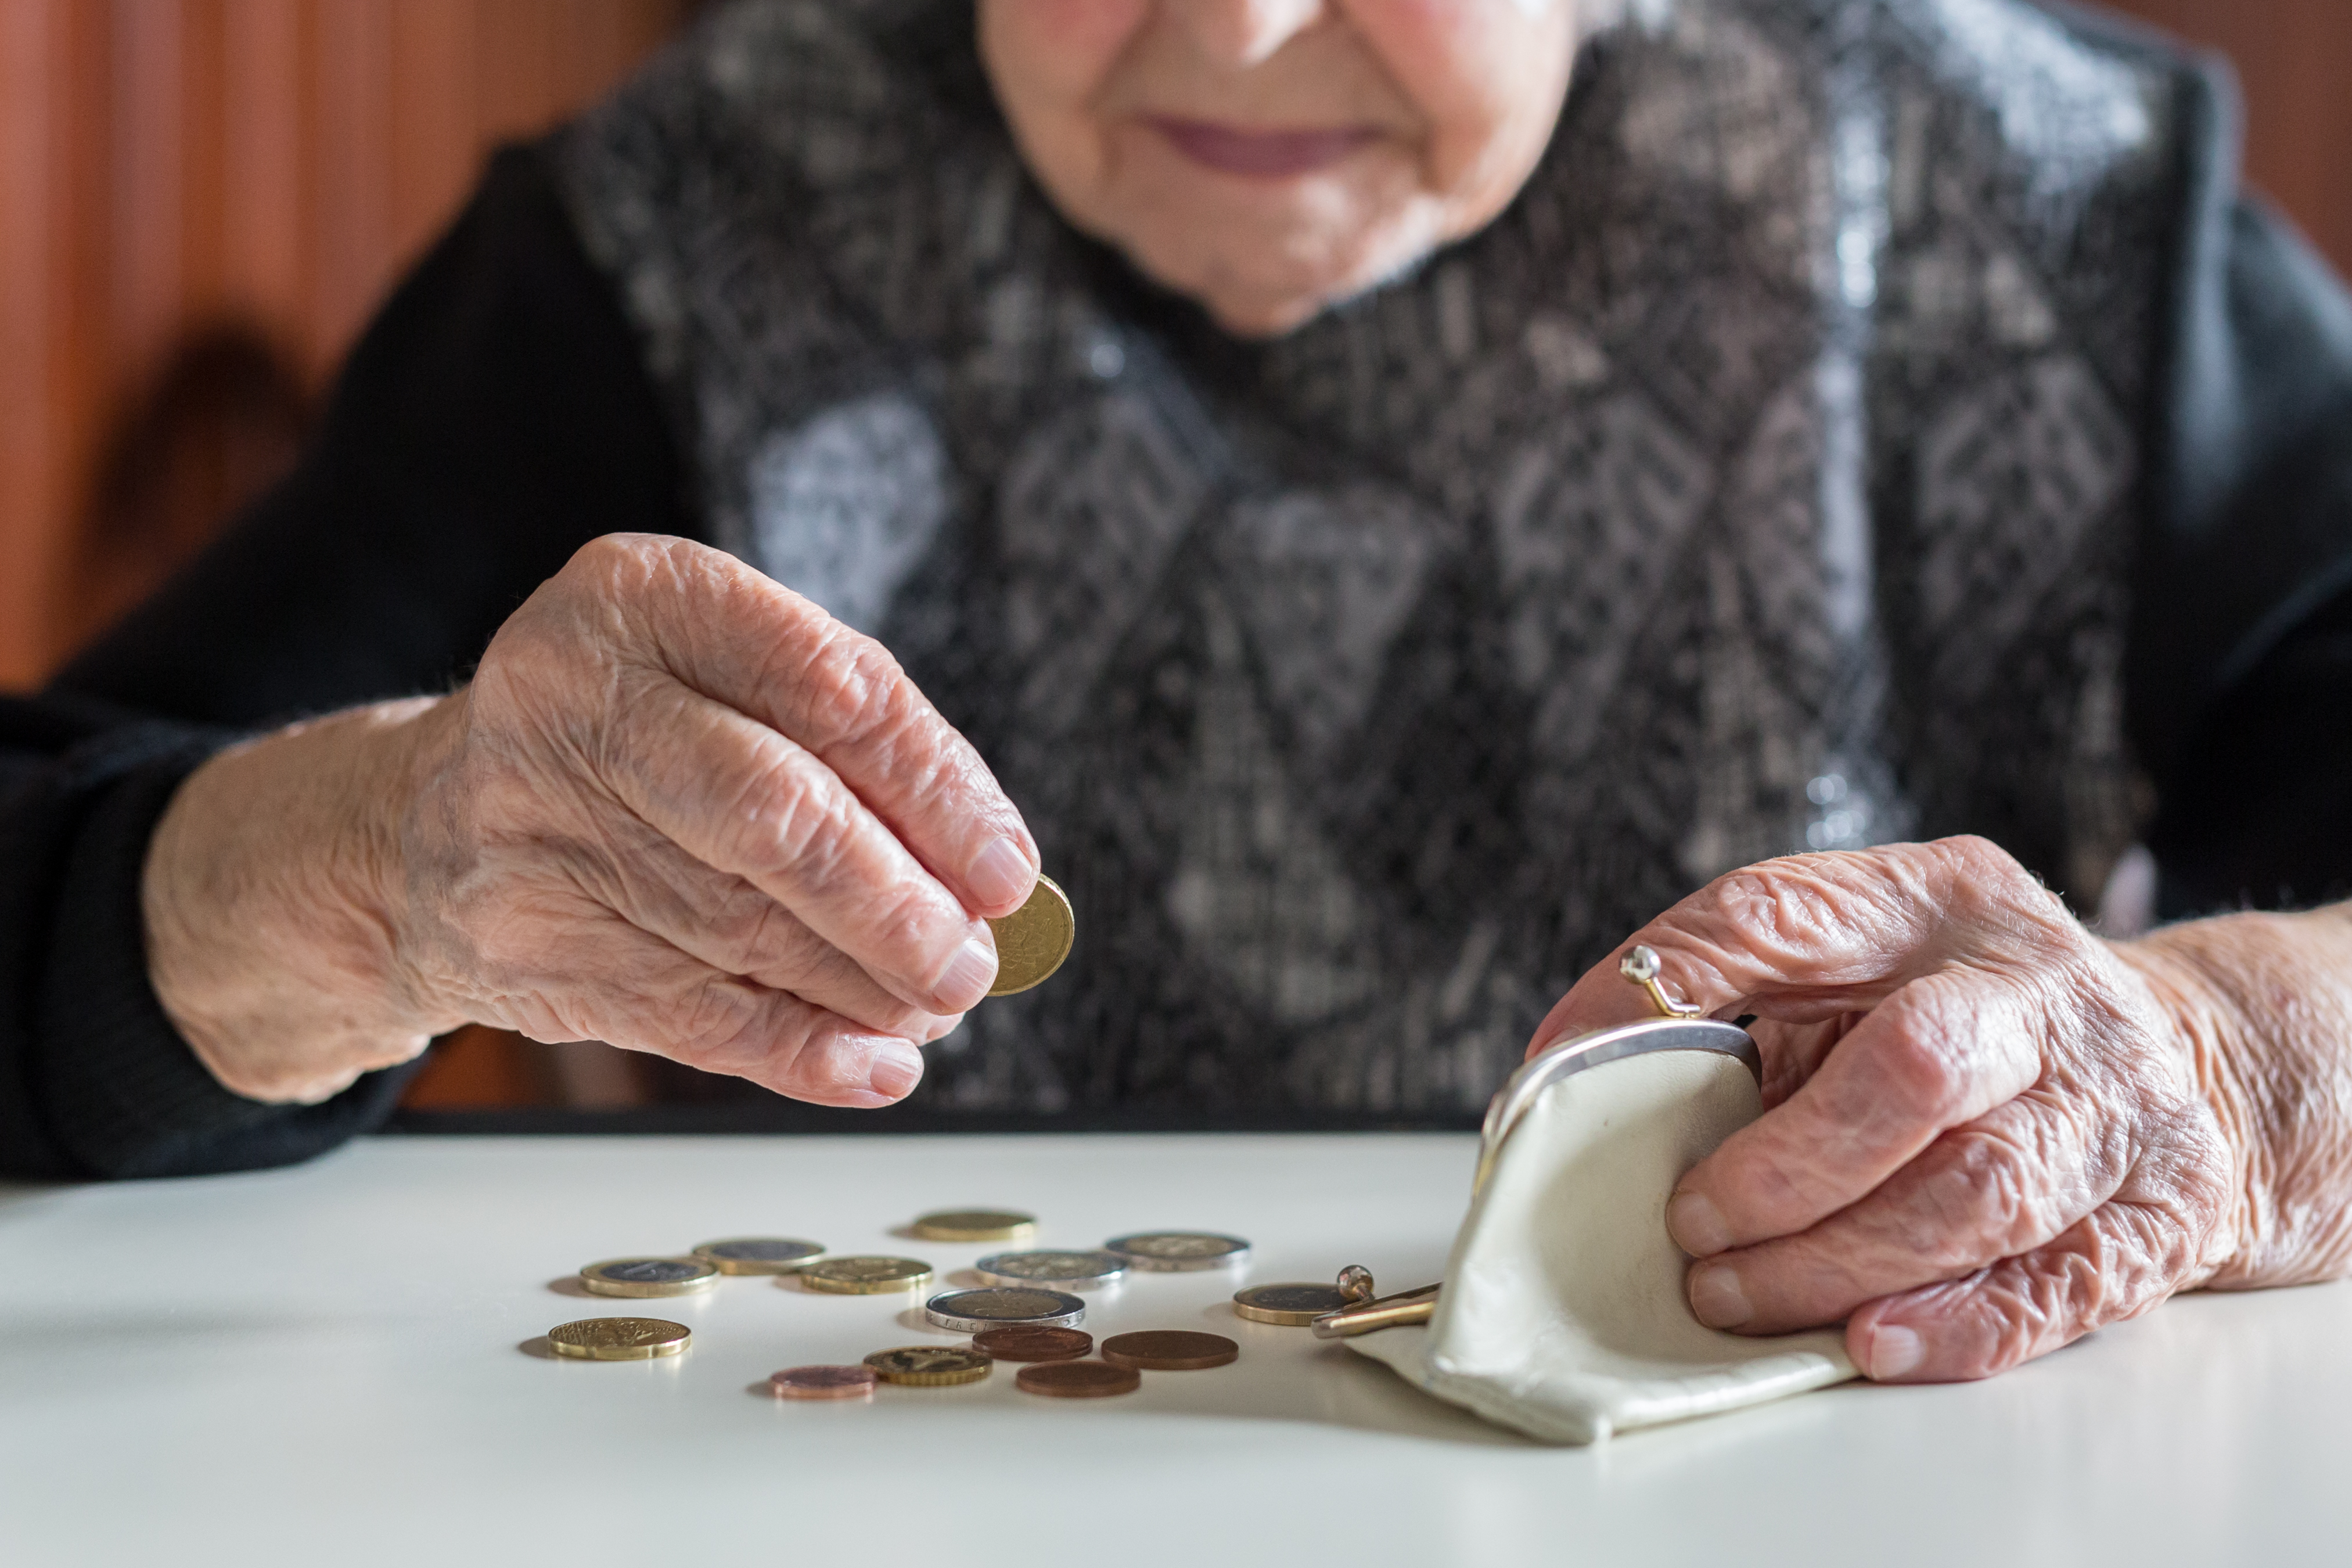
(201, 201)
(2294, 60)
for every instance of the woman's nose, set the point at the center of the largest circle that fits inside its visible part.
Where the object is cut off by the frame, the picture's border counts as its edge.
(1240, 34)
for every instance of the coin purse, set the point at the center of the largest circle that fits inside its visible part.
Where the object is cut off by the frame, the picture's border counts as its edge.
(1563, 1313)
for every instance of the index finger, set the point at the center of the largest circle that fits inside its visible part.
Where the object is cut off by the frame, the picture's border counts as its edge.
(1807, 937)
(1940, 1053)
(743, 639)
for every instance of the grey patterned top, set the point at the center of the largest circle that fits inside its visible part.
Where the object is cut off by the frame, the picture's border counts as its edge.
(1764, 478)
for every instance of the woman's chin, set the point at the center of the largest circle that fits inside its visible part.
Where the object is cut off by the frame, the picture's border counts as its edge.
(1268, 309)
(1254, 300)
(1259, 317)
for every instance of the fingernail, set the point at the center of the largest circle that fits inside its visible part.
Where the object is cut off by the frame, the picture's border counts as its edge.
(1893, 1351)
(895, 1068)
(1697, 1228)
(967, 977)
(999, 873)
(1716, 1298)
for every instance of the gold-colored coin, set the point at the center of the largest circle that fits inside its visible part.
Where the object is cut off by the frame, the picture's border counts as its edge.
(649, 1276)
(976, 1225)
(619, 1339)
(929, 1366)
(865, 1276)
(1032, 942)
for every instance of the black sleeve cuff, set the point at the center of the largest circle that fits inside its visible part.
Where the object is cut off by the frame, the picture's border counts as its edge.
(122, 1093)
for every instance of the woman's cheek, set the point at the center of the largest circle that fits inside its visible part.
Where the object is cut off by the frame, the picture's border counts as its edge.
(1480, 72)
(1060, 49)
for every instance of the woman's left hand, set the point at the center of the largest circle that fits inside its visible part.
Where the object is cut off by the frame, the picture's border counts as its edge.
(1984, 1131)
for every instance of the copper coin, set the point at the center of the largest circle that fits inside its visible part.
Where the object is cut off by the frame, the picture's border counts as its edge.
(824, 1382)
(1077, 1379)
(1017, 1343)
(1169, 1350)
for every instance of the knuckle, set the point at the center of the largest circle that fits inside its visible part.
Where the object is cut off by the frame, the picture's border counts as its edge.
(905, 922)
(1990, 879)
(1777, 906)
(1986, 1200)
(851, 690)
(824, 1070)
(749, 933)
(787, 816)
(2013, 1331)
(609, 562)
(720, 1021)
(1924, 1076)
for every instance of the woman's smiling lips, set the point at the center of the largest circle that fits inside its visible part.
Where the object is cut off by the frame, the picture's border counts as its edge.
(1260, 154)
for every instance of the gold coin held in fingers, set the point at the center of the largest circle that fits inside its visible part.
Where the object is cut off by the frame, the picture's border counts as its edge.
(929, 1366)
(865, 1276)
(619, 1339)
(649, 1276)
(1032, 942)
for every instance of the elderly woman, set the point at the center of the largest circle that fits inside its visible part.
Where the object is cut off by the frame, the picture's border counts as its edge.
(1382, 497)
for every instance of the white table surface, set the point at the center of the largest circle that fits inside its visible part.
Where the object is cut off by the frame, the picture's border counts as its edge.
(333, 1364)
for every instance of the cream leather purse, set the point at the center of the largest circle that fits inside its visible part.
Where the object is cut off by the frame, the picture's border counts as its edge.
(1563, 1314)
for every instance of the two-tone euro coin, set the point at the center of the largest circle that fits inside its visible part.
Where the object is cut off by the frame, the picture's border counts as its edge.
(1178, 1251)
(1292, 1306)
(759, 1254)
(969, 1312)
(619, 1339)
(1053, 1271)
(649, 1276)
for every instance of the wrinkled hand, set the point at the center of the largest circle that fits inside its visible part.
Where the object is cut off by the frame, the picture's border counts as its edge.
(678, 808)
(1984, 1133)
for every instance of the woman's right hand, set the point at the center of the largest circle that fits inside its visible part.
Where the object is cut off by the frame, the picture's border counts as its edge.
(680, 808)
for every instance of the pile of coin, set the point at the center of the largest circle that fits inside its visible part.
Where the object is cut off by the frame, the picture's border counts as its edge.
(1025, 1311)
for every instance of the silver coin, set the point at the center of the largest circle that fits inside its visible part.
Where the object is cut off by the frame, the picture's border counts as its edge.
(759, 1254)
(649, 1276)
(1175, 1251)
(1053, 1271)
(969, 1311)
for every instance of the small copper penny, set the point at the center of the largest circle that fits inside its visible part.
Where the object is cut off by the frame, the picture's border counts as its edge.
(1077, 1379)
(824, 1382)
(1018, 1343)
(1169, 1350)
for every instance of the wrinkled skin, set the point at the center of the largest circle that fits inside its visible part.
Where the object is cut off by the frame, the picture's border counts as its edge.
(679, 809)
(1456, 100)
(1987, 1131)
